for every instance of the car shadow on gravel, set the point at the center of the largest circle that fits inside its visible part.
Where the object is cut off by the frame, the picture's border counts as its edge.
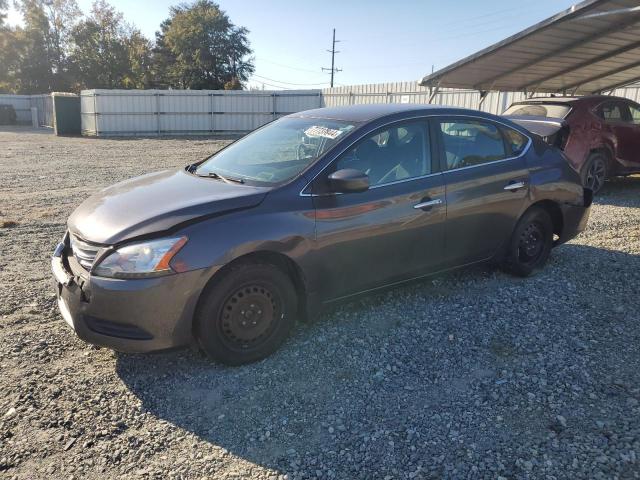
(374, 375)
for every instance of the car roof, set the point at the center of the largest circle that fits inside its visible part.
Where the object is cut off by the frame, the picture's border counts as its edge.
(366, 113)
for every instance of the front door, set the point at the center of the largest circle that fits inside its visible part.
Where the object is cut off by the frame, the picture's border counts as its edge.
(487, 182)
(395, 229)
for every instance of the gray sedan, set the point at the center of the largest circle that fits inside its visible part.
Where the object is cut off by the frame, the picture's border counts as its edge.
(310, 209)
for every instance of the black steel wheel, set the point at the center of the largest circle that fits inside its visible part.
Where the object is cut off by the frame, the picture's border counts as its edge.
(247, 314)
(530, 243)
(594, 172)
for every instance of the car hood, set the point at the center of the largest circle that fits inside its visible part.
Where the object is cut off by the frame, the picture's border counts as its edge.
(155, 203)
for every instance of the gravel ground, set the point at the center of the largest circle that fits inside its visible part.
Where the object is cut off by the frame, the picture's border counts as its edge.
(470, 375)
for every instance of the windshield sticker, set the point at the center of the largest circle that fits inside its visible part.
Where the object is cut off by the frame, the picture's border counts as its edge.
(322, 132)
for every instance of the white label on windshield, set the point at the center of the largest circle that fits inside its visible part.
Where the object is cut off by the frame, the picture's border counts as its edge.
(322, 132)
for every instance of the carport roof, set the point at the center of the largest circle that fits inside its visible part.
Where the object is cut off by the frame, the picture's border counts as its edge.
(592, 47)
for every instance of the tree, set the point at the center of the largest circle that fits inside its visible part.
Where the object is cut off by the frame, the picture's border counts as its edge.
(11, 51)
(199, 47)
(45, 40)
(107, 52)
(61, 15)
(140, 59)
(4, 5)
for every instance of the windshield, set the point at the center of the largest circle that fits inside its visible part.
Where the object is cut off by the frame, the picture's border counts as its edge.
(548, 110)
(278, 151)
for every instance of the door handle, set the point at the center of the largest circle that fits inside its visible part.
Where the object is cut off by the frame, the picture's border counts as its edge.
(428, 203)
(514, 186)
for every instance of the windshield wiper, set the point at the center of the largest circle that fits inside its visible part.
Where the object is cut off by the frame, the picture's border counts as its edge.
(220, 177)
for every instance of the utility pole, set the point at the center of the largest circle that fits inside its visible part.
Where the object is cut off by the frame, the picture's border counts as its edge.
(333, 52)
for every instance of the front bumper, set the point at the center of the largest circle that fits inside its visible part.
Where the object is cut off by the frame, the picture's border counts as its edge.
(135, 316)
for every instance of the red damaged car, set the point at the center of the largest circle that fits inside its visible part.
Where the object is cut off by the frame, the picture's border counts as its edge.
(600, 135)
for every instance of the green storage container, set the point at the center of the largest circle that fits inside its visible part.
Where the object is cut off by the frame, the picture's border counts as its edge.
(66, 114)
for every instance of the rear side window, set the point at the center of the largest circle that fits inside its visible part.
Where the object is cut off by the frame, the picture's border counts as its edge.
(539, 110)
(612, 112)
(635, 114)
(469, 142)
(516, 142)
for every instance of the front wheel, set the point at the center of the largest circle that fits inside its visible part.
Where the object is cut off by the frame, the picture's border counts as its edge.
(530, 244)
(247, 314)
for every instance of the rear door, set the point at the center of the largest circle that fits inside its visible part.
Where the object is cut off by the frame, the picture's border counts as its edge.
(395, 229)
(629, 135)
(619, 120)
(487, 182)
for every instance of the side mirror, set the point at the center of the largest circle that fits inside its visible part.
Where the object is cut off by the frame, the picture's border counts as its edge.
(348, 180)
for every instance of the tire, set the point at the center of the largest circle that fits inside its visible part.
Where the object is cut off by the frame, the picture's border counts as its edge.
(595, 171)
(247, 314)
(530, 243)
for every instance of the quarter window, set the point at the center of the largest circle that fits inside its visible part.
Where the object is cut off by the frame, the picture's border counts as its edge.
(397, 153)
(469, 142)
(515, 141)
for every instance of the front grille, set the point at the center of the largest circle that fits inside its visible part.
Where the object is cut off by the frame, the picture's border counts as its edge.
(84, 252)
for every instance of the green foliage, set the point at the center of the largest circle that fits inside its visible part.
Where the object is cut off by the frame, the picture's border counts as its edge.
(60, 50)
(35, 56)
(3, 8)
(106, 52)
(11, 48)
(199, 47)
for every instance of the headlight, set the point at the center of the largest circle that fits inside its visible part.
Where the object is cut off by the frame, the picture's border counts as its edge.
(146, 259)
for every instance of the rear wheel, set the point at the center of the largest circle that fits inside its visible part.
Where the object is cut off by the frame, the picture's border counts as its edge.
(594, 172)
(530, 243)
(247, 314)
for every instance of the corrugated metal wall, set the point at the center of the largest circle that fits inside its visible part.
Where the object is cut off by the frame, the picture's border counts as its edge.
(175, 112)
(23, 103)
(44, 104)
(411, 92)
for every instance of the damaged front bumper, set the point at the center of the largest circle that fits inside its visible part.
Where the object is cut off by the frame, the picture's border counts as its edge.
(132, 315)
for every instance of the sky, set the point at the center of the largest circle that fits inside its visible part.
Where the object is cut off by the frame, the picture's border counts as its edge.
(380, 40)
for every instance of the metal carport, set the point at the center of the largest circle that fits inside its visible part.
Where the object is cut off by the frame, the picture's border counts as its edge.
(592, 47)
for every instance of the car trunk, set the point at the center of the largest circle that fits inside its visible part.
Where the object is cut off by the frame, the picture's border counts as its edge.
(554, 131)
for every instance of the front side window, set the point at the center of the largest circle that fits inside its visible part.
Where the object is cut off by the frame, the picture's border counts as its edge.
(394, 153)
(278, 151)
(469, 142)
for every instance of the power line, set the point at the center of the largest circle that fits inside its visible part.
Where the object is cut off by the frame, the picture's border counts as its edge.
(275, 86)
(333, 52)
(286, 66)
(286, 83)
